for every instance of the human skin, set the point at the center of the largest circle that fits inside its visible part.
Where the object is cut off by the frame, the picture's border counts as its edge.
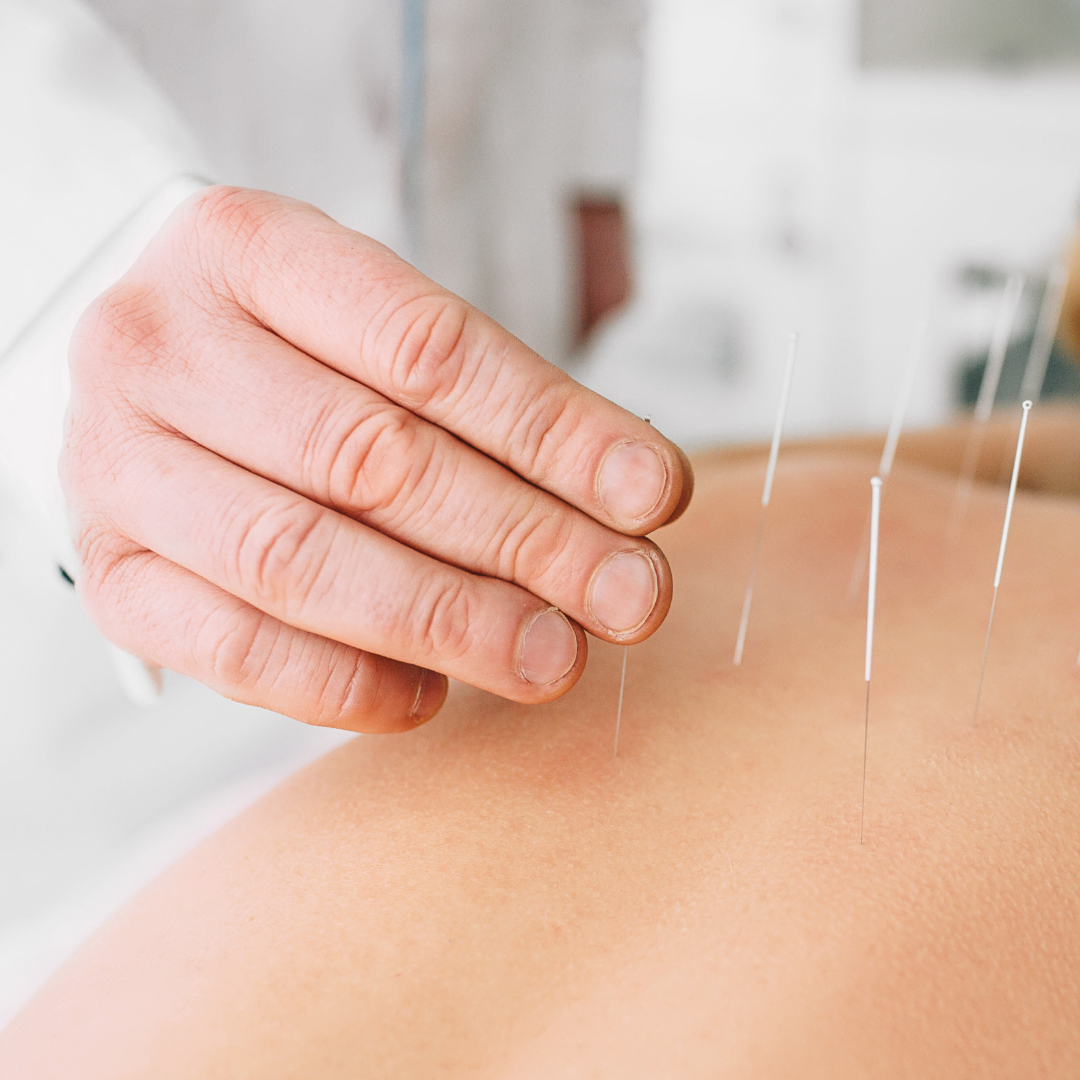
(497, 895)
(1051, 462)
(302, 473)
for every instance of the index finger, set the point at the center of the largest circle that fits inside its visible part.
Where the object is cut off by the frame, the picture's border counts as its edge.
(358, 308)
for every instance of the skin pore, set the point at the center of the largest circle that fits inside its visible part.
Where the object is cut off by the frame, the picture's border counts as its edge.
(495, 895)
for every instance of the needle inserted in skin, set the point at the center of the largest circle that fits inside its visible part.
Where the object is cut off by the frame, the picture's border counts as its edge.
(999, 345)
(1001, 551)
(892, 439)
(770, 472)
(622, 687)
(871, 603)
(622, 678)
(1045, 332)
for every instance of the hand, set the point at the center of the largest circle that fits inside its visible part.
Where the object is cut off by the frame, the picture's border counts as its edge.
(302, 473)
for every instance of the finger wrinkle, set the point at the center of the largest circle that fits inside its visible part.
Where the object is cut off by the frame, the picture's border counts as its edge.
(468, 404)
(113, 592)
(378, 459)
(541, 434)
(271, 547)
(105, 554)
(359, 697)
(508, 528)
(331, 676)
(440, 619)
(320, 431)
(430, 494)
(541, 548)
(233, 640)
(421, 353)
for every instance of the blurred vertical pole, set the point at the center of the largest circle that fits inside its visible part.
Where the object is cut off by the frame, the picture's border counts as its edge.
(413, 80)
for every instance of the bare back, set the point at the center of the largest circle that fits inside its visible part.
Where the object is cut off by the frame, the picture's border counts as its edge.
(496, 895)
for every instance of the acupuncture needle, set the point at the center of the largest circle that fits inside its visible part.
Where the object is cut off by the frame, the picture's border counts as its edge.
(1001, 551)
(892, 439)
(1042, 344)
(871, 603)
(622, 678)
(770, 472)
(622, 687)
(999, 346)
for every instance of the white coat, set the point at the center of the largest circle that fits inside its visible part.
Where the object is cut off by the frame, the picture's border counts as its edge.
(526, 106)
(111, 114)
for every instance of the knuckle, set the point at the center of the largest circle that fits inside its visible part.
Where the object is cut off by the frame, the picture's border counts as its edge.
(356, 690)
(536, 548)
(422, 345)
(230, 216)
(542, 430)
(101, 556)
(352, 687)
(127, 324)
(279, 551)
(237, 643)
(254, 657)
(370, 462)
(109, 579)
(440, 620)
(230, 230)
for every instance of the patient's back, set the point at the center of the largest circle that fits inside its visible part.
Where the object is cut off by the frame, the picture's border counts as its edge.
(497, 895)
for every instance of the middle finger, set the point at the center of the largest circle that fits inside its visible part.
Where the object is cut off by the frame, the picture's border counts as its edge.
(277, 412)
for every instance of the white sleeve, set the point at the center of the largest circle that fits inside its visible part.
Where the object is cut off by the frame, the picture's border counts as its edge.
(93, 162)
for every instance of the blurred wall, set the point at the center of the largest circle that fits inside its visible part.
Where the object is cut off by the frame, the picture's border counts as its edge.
(785, 184)
(969, 33)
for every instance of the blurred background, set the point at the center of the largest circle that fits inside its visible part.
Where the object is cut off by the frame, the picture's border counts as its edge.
(840, 168)
(653, 195)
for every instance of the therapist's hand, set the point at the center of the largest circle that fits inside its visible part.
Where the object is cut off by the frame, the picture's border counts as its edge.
(304, 474)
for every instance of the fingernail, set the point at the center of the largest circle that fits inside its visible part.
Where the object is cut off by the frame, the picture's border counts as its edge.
(633, 479)
(624, 592)
(430, 695)
(549, 648)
